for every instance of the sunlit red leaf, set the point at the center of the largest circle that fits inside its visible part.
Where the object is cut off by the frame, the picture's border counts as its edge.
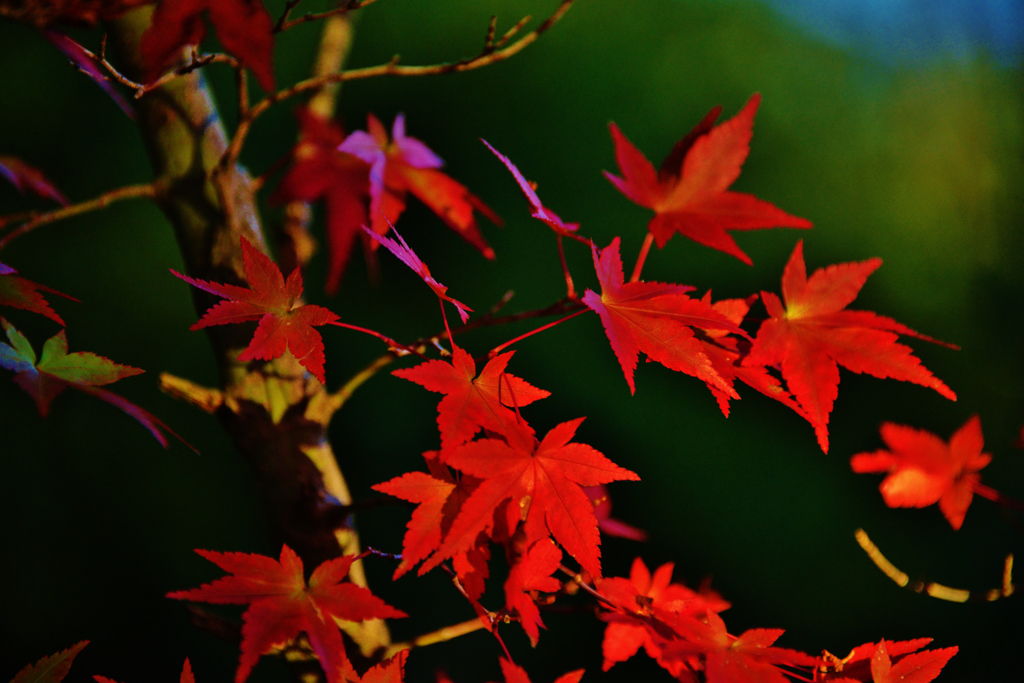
(690, 195)
(814, 334)
(533, 572)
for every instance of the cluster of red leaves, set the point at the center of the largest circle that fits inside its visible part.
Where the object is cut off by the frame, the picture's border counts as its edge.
(682, 631)
(512, 488)
(885, 662)
(282, 605)
(515, 674)
(924, 470)
(364, 179)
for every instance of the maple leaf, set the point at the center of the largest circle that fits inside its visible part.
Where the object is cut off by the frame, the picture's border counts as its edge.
(282, 604)
(404, 164)
(533, 572)
(725, 353)
(923, 469)
(748, 658)
(813, 335)
(271, 300)
(543, 482)
(540, 212)
(642, 595)
(656, 319)
(244, 28)
(889, 662)
(29, 178)
(186, 675)
(44, 378)
(472, 403)
(438, 497)
(50, 669)
(515, 674)
(320, 171)
(602, 503)
(406, 255)
(18, 292)
(690, 193)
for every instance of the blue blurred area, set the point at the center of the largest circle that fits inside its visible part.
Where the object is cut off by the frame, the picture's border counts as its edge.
(914, 31)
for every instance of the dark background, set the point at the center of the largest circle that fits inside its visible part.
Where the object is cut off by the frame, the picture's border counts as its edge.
(899, 133)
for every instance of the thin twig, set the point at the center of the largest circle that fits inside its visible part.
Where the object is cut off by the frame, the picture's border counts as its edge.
(498, 349)
(196, 61)
(578, 580)
(441, 635)
(283, 24)
(391, 68)
(130, 192)
(642, 257)
(997, 497)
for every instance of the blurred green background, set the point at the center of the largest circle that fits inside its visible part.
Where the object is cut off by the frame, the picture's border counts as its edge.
(902, 145)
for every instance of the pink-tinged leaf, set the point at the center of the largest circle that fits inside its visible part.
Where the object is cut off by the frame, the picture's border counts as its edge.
(29, 179)
(602, 503)
(86, 62)
(540, 212)
(690, 194)
(50, 669)
(405, 165)
(406, 255)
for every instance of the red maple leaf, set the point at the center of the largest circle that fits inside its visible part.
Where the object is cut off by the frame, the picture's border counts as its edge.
(18, 292)
(46, 377)
(533, 572)
(320, 171)
(404, 164)
(727, 351)
(50, 669)
(472, 403)
(271, 300)
(438, 497)
(643, 595)
(813, 335)
(886, 662)
(391, 670)
(748, 658)
(690, 192)
(29, 178)
(543, 482)
(244, 27)
(282, 604)
(923, 469)
(656, 319)
(406, 255)
(515, 674)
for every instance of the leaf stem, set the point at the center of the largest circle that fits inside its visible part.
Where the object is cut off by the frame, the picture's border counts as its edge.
(570, 291)
(997, 497)
(644, 250)
(578, 580)
(150, 190)
(498, 349)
